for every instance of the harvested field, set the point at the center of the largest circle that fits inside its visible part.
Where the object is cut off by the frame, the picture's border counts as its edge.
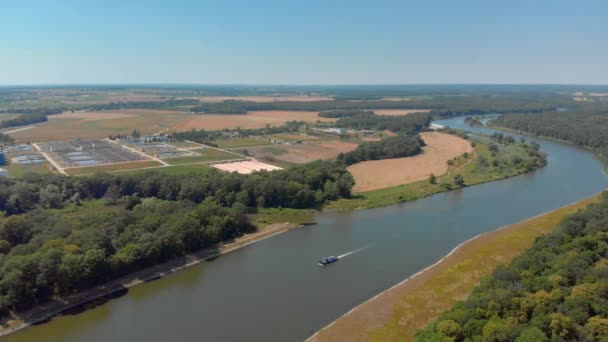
(245, 167)
(440, 148)
(100, 124)
(301, 98)
(304, 153)
(254, 119)
(397, 112)
(112, 167)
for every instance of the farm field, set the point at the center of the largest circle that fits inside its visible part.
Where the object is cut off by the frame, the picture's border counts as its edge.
(206, 155)
(242, 142)
(253, 119)
(180, 170)
(302, 98)
(397, 112)
(100, 124)
(19, 170)
(440, 148)
(303, 153)
(112, 167)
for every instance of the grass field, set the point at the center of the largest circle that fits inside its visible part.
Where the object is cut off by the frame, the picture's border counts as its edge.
(397, 314)
(111, 167)
(242, 142)
(100, 124)
(267, 216)
(181, 170)
(467, 167)
(207, 155)
(18, 170)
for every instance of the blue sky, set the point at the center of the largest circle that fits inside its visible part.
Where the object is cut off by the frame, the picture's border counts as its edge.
(303, 42)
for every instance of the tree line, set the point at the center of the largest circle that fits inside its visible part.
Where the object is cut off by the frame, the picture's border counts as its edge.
(556, 291)
(365, 120)
(208, 137)
(393, 147)
(583, 128)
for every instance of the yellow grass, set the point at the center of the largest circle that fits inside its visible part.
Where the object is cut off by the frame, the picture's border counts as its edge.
(398, 313)
(440, 148)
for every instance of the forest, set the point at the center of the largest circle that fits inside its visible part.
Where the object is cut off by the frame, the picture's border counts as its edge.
(393, 147)
(47, 252)
(362, 120)
(590, 130)
(556, 291)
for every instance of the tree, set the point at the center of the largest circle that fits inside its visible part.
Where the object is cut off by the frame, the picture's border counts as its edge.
(458, 179)
(432, 179)
(532, 334)
(136, 134)
(450, 328)
(112, 195)
(50, 196)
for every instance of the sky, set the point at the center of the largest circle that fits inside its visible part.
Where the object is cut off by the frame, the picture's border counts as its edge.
(303, 42)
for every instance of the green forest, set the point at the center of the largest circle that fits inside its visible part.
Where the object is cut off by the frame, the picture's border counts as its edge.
(63, 234)
(394, 147)
(556, 291)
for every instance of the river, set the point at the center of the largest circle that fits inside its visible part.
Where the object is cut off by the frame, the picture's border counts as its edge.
(275, 291)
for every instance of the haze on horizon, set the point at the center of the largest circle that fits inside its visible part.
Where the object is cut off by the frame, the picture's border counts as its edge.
(292, 42)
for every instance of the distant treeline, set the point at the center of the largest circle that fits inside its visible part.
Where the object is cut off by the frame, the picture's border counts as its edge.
(583, 128)
(556, 291)
(171, 104)
(208, 137)
(29, 116)
(440, 105)
(394, 147)
(363, 120)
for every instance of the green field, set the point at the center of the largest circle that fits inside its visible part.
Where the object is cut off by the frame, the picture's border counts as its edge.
(242, 142)
(266, 216)
(18, 170)
(112, 167)
(181, 170)
(207, 155)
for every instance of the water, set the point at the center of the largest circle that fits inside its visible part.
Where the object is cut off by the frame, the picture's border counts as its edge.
(275, 291)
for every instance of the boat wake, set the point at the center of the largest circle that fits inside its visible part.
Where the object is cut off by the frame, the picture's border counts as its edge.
(351, 252)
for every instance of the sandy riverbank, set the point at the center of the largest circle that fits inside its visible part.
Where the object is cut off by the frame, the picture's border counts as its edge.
(47, 311)
(399, 312)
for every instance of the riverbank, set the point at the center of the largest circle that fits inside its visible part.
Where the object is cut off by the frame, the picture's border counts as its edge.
(399, 312)
(467, 165)
(45, 312)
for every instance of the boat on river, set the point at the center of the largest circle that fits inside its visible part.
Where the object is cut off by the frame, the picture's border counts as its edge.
(328, 260)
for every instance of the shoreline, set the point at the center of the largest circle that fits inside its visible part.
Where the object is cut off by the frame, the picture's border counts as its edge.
(365, 308)
(47, 311)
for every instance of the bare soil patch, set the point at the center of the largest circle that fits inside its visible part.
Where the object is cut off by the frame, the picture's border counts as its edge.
(253, 119)
(440, 148)
(398, 112)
